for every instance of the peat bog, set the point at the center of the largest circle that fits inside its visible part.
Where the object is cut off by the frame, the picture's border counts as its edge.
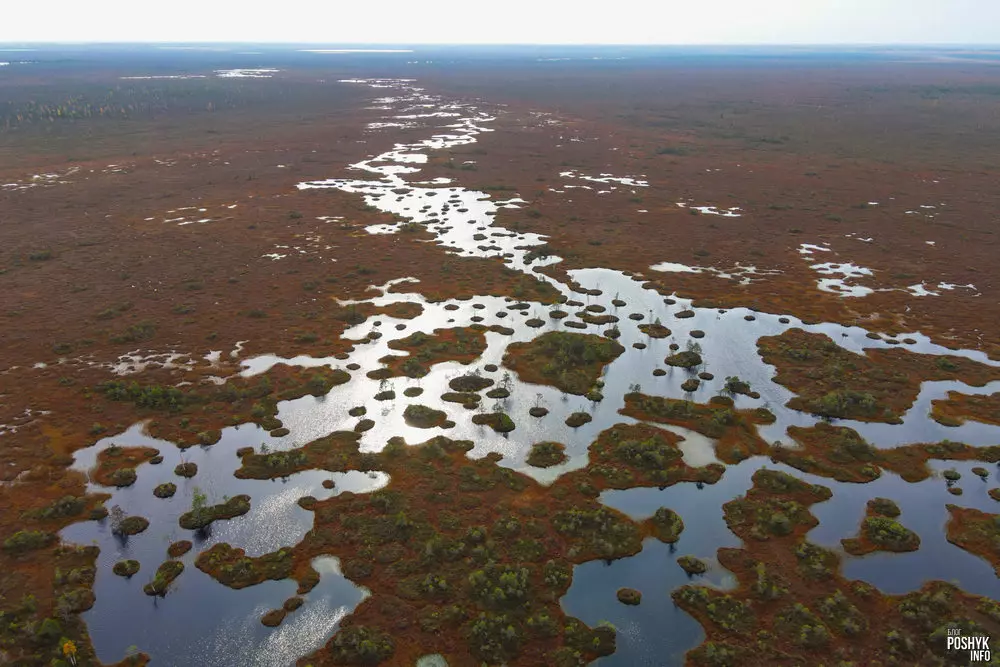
(370, 361)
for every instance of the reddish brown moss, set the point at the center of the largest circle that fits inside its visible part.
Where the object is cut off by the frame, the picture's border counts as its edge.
(232, 567)
(336, 452)
(632, 455)
(776, 506)
(422, 556)
(116, 465)
(165, 575)
(403, 310)
(840, 453)
(463, 345)
(959, 407)
(877, 386)
(910, 461)
(975, 531)
(881, 532)
(192, 415)
(793, 591)
(830, 451)
(178, 549)
(735, 431)
(568, 361)
(465, 277)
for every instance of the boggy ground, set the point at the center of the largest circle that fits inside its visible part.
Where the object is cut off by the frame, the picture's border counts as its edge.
(629, 455)
(97, 266)
(463, 557)
(94, 265)
(423, 558)
(193, 415)
(840, 453)
(801, 149)
(116, 465)
(734, 431)
(880, 531)
(975, 531)
(458, 344)
(959, 407)
(428, 567)
(880, 385)
(792, 606)
(569, 361)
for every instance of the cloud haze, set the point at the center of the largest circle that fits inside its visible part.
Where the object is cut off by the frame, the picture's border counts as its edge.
(510, 22)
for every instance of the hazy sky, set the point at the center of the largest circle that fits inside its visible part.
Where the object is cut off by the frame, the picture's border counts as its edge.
(508, 22)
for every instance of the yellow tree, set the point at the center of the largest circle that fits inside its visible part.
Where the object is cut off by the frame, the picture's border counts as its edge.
(69, 650)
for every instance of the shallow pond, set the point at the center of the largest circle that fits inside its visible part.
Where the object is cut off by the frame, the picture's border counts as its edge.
(202, 622)
(200, 617)
(657, 632)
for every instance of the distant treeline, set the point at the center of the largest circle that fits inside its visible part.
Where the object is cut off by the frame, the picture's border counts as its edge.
(139, 99)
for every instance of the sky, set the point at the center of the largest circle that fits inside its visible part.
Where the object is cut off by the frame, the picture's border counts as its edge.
(508, 22)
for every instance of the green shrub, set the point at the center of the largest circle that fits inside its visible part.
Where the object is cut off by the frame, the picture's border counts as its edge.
(546, 454)
(126, 568)
(64, 507)
(556, 575)
(359, 645)
(724, 610)
(815, 562)
(123, 477)
(498, 421)
(603, 531)
(842, 402)
(945, 364)
(154, 397)
(767, 586)
(655, 453)
(165, 574)
(890, 534)
(883, 507)
(667, 525)
(495, 638)
(28, 540)
(715, 654)
(847, 619)
(568, 359)
(803, 626)
(422, 416)
(734, 385)
(692, 565)
(49, 631)
(500, 586)
(135, 333)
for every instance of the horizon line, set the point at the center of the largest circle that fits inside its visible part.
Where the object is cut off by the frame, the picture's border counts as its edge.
(503, 44)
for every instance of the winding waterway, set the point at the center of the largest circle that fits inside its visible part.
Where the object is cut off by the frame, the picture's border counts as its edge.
(203, 622)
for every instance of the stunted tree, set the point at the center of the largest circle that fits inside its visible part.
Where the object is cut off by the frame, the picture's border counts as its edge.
(116, 516)
(198, 502)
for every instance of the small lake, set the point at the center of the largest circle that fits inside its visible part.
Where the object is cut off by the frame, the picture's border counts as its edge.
(201, 622)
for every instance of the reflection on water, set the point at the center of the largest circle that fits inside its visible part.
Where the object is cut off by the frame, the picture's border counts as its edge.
(654, 632)
(202, 622)
(200, 617)
(657, 633)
